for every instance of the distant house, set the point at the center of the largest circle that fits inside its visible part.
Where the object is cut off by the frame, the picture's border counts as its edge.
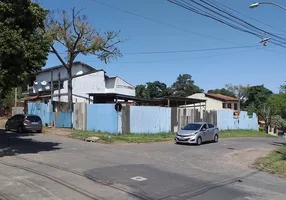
(217, 101)
(86, 80)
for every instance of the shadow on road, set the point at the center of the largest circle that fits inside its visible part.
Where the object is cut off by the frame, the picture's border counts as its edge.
(15, 143)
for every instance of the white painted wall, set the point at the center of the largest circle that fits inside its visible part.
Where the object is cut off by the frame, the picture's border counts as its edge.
(46, 76)
(119, 86)
(211, 104)
(95, 82)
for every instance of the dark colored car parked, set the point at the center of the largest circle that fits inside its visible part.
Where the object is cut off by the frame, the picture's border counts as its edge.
(24, 123)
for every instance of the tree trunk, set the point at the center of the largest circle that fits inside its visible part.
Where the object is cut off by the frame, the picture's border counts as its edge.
(70, 96)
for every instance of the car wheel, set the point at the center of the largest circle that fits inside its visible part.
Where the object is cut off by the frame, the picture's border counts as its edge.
(216, 138)
(199, 141)
(39, 131)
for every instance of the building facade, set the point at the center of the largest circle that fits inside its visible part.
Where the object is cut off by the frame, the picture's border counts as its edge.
(86, 80)
(217, 101)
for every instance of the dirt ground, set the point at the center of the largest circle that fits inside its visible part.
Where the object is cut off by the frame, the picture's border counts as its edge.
(239, 158)
(3, 120)
(57, 131)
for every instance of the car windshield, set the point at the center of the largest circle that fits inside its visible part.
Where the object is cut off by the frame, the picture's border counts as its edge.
(33, 118)
(192, 127)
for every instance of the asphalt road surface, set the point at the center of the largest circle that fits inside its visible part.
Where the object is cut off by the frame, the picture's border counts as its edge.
(38, 167)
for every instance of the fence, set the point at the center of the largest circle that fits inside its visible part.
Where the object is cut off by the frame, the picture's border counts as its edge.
(188, 115)
(48, 115)
(44, 110)
(226, 121)
(80, 116)
(146, 119)
(102, 117)
(136, 119)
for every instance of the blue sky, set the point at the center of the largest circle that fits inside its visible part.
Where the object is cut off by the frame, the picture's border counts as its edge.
(210, 69)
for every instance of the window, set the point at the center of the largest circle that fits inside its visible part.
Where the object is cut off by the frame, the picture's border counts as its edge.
(33, 118)
(223, 105)
(235, 106)
(192, 127)
(204, 126)
(211, 125)
(229, 105)
(56, 85)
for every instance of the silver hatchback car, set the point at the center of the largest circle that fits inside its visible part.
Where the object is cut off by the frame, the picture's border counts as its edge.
(197, 133)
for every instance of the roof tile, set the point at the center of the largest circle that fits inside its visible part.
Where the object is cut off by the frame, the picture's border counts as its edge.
(221, 97)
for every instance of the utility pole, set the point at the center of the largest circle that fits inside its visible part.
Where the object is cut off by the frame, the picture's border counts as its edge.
(52, 84)
(16, 91)
(59, 85)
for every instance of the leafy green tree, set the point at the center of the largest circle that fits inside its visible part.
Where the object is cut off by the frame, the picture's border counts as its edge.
(256, 99)
(282, 89)
(157, 89)
(141, 91)
(185, 86)
(23, 47)
(152, 90)
(8, 98)
(277, 121)
(222, 91)
(277, 104)
(75, 34)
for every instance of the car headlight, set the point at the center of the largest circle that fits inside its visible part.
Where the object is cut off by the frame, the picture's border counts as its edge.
(192, 134)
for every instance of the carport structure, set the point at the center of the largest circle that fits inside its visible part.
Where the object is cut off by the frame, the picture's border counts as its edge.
(163, 101)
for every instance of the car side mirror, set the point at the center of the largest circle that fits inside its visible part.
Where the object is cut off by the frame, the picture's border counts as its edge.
(203, 129)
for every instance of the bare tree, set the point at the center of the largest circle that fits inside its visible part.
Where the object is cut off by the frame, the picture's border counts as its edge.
(77, 36)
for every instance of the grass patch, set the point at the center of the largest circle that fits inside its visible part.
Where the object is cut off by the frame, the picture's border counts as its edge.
(275, 162)
(127, 138)
(159, 137)
(242, 133)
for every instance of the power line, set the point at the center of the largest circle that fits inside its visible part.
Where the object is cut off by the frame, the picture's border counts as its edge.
(160, 61)
(161, 22)
(215, 2)
(186, 51)
(209, 10)
(190, 50)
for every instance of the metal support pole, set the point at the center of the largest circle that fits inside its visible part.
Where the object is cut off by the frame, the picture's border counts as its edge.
(52, 85)
(16, 91)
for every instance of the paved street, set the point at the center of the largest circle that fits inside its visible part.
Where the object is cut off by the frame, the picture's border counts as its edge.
(48, 167)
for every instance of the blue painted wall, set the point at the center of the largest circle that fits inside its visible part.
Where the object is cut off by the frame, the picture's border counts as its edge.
(63, 120)
(102, 117)
(45, 111)
(226, 121)
(148, 119)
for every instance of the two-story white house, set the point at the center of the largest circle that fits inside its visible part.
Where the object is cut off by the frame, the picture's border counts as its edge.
(86, 80)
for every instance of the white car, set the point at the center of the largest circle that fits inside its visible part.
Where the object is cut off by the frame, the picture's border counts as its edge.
(197, 133)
